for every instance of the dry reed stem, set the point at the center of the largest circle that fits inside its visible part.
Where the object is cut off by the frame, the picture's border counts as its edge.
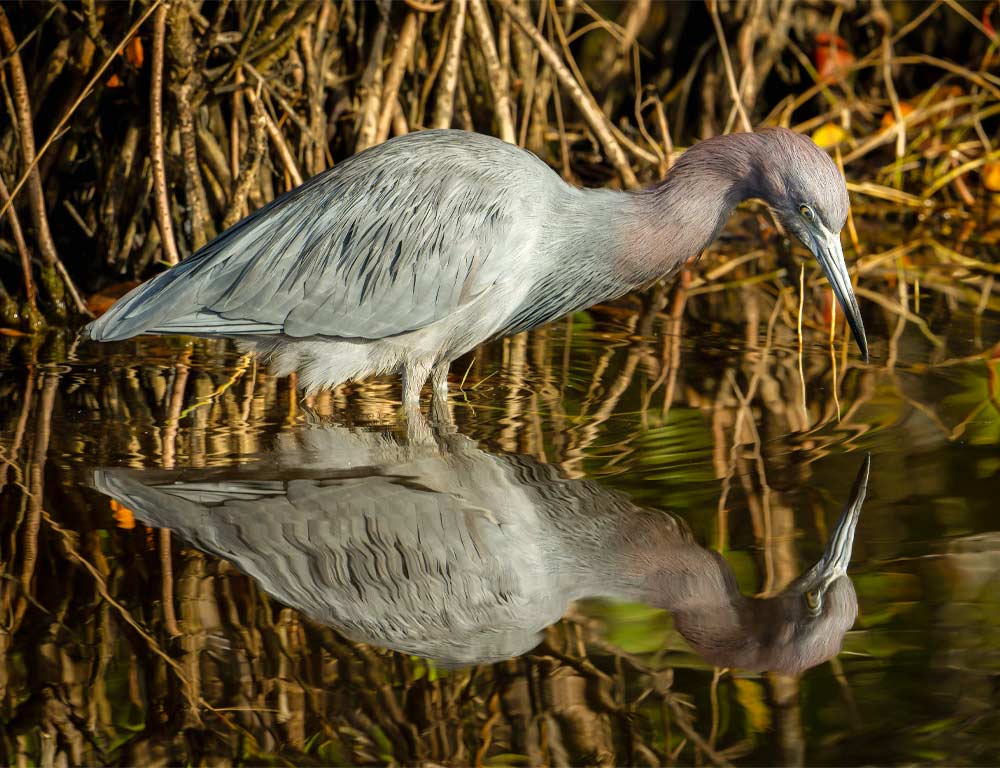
(991, 36)
(899, 126)
(903, 312)
(23, 254)
(185, 86)
(802, 298)
(161, 200)
(499, 82)
(248, 171)
(78, 302)
(567, 169)
(426, 7)
(588, 107)
(444, 104)
(394, 76)
(371, 87)
(734, 91)
(528, 64)
(22, 105)
(277, 138)
(57, 131)
(960, 170)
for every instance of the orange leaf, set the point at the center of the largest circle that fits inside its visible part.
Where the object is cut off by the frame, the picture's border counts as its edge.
(12, 332)
(134, 53)
(114, 82)
(123, 515)
(889, 119)
(991, 176)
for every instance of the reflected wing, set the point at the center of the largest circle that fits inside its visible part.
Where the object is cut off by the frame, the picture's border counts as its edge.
(386, 559)
(390, 241)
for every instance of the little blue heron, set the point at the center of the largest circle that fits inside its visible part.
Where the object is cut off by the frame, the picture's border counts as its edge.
(465, 556)
(413, 252)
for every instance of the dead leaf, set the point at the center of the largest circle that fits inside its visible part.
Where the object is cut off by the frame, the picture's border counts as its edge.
(832, 57)
(101, 302)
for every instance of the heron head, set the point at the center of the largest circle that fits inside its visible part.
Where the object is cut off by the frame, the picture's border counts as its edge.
(820, 606)
(805, 623)
(807, 193)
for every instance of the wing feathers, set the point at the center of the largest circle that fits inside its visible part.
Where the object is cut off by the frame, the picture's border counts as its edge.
(390, 241)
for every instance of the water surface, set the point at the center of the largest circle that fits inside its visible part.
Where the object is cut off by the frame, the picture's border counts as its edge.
(199, 567)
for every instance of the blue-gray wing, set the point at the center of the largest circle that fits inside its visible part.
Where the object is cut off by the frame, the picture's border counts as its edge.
(390, 241)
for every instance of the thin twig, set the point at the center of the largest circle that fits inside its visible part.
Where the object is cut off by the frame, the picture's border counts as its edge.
(734, 91)
(588, 107)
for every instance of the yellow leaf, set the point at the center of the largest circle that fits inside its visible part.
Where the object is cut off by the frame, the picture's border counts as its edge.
(829, 135)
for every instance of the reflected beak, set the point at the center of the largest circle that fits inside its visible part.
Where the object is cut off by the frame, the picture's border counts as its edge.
(830, 256)
(837, 555)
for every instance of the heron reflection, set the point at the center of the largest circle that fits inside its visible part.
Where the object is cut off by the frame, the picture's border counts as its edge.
(463, 556)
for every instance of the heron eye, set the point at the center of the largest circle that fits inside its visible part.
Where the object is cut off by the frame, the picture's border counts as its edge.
(806, 211)
(813, 600)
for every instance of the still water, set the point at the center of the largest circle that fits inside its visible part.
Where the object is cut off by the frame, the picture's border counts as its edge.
(627, 543)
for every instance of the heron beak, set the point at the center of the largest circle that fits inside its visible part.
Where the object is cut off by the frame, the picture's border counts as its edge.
(830, 256)
(837, 555)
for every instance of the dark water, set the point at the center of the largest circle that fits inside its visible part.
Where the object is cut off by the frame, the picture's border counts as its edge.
(596, 564)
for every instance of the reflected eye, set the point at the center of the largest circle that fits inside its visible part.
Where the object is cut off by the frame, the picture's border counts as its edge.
(807, 212)
(814, 600)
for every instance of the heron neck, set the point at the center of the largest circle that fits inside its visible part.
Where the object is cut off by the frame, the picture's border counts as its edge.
(674, 220)
(708, 609)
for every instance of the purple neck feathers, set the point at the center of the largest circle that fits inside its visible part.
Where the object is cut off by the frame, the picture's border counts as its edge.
(677, 218)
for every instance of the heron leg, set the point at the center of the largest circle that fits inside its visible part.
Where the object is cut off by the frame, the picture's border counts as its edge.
(439, 380)
(418, 429)
(414, 377)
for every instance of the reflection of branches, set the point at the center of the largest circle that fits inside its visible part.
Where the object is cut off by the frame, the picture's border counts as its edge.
(258, 673)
